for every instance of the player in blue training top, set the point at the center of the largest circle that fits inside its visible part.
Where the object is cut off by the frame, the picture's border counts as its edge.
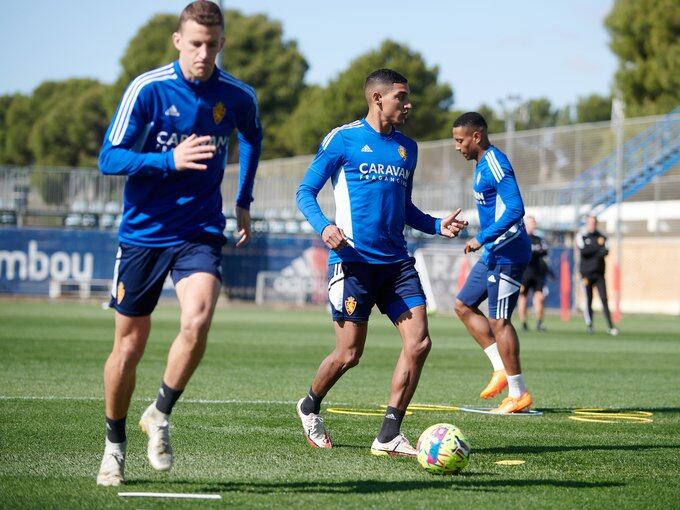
(497, 275)
(169, 137)
(371, 166)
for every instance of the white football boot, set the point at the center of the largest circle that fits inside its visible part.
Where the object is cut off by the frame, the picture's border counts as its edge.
(398, 447)
(155, 425)
(111, 471)
(315, 431)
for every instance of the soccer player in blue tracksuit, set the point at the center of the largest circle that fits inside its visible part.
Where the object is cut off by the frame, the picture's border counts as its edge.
(169, 138)
(371, 167)
(497, 275)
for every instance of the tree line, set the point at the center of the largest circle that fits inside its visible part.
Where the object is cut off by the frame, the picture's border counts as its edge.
(62, 123)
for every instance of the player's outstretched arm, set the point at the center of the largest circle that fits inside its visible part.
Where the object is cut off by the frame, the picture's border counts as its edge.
(414, 217)
(451, 226)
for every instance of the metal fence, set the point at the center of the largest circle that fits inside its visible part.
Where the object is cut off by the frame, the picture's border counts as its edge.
(547, 163)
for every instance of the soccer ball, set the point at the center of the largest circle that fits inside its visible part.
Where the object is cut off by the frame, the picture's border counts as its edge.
(443, 449)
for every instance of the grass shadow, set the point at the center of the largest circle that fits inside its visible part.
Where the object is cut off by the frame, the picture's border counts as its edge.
(376, 486)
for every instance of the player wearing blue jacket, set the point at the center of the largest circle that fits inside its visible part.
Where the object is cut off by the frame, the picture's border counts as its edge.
(497, 275)
(169, 138)
(371, 167)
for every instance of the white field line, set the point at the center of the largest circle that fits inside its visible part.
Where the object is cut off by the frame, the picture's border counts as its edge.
(184, 400)
(182, 495)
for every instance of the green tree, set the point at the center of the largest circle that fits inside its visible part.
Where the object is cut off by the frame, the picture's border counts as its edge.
(90, 121)
(537, 113)
(565, 115)
(343, 101)
(19, 120)
(644, 36)
(72, 118)
(302, 125)
(494, 122)
(151, 47)
(255, 52)
(5, 101)
(593, 108)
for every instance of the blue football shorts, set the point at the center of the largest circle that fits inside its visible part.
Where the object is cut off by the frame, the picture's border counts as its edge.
(499, 282)
(139, 272)
(354, 287)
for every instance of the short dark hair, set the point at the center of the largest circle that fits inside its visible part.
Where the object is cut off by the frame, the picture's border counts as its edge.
(471, 119)
(203, 12)
(384, 77)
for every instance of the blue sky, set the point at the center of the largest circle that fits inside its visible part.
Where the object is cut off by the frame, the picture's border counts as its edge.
(485, 49)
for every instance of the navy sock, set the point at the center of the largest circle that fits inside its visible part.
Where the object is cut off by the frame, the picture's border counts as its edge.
(115, 430)
(167, 397)
(391, 424)
(311, 403)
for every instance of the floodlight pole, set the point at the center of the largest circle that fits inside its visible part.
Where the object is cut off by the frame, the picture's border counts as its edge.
(510, 106)
(617, 118)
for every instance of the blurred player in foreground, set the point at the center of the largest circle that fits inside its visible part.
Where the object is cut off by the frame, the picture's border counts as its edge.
(533, 280)
(169, 137)
(497, 274)
(371, 165)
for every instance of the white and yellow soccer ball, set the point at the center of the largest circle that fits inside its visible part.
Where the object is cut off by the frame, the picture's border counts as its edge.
(443, 449)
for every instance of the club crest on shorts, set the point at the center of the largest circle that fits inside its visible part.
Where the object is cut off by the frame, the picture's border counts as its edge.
(350, 305)
(218, 112)
(120, 292)
(402, 152)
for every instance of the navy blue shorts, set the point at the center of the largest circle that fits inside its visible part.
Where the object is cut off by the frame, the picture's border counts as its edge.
(354, 287)
(499, 282)
(139, 272)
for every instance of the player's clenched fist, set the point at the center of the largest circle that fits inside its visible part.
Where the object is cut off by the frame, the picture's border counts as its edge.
(334, 237)
(471, 246)
(195, 148)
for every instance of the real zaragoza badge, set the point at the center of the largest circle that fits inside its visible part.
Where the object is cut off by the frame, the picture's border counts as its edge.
(218, 112)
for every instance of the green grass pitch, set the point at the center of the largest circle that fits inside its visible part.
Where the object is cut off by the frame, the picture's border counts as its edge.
(235, 432)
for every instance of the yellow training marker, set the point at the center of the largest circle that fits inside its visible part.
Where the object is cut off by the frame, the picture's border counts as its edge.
(432, 407)
(601, 415)
(510, 462)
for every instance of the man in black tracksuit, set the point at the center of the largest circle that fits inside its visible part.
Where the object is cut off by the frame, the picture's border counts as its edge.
(534, 277)
(592, 245)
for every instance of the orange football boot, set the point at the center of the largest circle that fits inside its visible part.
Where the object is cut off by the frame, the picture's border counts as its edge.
(498, 382)
(514, 405)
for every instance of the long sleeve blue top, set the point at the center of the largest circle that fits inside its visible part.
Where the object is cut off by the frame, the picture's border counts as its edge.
(501, 210)
(372, 178)
(161, 108)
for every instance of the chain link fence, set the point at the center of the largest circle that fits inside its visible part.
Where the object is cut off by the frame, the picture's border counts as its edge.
(547, 162)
